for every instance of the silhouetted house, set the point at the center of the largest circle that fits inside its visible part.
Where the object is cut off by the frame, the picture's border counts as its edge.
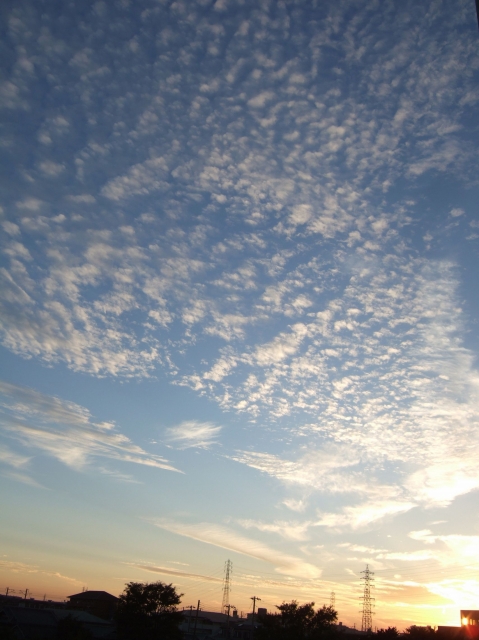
(42, 624)
(99, 628)
(449, 633)
(208, 624)
(211, 624)
(350, 631)
(470, 622)
(98, 603)
(29, 624)
(33, 603)
(469, 617)
(10, 601)
(469, 627)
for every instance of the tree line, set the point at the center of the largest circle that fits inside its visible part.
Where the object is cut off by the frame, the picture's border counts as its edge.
(149, 611)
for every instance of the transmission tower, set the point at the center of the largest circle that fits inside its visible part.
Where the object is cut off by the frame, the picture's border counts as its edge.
(332, 600)
(227, 584)
(368, 601)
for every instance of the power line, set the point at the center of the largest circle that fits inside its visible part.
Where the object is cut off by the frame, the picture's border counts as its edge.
(335, 577)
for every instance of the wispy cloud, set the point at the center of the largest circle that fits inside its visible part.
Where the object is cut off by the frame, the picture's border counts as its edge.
(65, 431)
(289, 530)
(365, 514)
(167, 571)
(227, 538)
(15, 467)
(21, 567)
(192, 433)
(7, 456)
(449, 548)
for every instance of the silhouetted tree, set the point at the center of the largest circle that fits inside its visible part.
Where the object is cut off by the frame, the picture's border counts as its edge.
(419, 633)
(391, 633)
(298, 622)
(148, 612)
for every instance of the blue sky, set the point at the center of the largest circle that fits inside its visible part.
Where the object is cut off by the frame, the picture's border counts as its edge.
(239, 301)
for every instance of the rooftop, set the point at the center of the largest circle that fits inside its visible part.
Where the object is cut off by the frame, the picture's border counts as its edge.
(94, 595)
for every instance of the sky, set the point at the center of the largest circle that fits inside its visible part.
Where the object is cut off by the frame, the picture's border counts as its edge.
(238, 301)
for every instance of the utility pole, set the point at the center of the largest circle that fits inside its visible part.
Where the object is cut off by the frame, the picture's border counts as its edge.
(227, 584)
(228, 607)
(26, 593)
(7, 590)
(254, 598)
(477, 11)
(196, 619)
(368, 601)
(191, 607)
(332, 600)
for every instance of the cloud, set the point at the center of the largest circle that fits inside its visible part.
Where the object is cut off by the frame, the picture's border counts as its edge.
(449, 549)
(65, 431)
(294, 504)
(315, 469)
(167, 571)
(228, 539)
(21, 567)
(143, 178)
(30, 204)
(24, 478)
(83, 198)
(250, 229)
(443, 481)
(364, 515)
(11, 228)
(11, 458)
(117, 475)
(301, 214)
(261, 99)
(51, 169)
(54, 322)
(192, 433)
(408, 386)
(290, 530)
(19, 466)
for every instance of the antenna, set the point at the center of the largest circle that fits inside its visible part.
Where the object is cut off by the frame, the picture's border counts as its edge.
(227, 584)
(368, 601)
(332, 600)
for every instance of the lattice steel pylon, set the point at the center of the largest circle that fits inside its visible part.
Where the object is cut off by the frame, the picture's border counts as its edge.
(368, 601)
(332, 600)
(227, 585)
